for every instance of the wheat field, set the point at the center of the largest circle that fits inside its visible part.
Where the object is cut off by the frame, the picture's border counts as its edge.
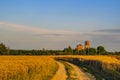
(27, 68)
(106, 66)
(45, 67)
(105, 59)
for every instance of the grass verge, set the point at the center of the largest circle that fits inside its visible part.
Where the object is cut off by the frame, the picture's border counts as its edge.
(70, 71)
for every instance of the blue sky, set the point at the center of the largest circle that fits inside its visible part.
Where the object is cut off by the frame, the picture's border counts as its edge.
(62, 14)
(86, 19)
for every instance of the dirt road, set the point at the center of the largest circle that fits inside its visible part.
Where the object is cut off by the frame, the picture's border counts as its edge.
(80, 74)
(61, 74)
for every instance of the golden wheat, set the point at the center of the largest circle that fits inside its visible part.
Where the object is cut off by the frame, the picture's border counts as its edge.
(27, 68)
(106, 59)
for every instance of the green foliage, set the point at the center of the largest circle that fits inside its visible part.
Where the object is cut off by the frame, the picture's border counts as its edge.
(3, 49)
(92, 51)
(101, 50)
(70, 50)
(67, 51)
(70, 71)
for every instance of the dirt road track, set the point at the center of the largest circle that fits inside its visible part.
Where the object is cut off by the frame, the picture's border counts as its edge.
(61, 73)
(80, 74)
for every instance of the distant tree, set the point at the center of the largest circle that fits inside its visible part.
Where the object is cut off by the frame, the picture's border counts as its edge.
(8, 51)
(92, 51)
(70, 50)
(3, 49)
(101, 50)
(86, 51)
(116, 53)
(75, 51)
(65, 50)
(81, 52)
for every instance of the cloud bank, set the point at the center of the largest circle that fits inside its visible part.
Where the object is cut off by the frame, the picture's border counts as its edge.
(27, 37)
(30, 29)
(109, 30)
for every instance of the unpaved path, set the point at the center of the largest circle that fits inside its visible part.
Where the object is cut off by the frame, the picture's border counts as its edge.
(80, 74)
(61, 73)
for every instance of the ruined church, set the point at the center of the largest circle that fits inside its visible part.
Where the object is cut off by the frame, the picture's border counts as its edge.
(86, 46)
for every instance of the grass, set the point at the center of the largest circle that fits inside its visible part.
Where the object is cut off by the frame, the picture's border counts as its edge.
(107, 67)
(69, 70)
(27, 68)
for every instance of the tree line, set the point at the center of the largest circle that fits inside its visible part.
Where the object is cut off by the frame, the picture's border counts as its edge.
(100, 50)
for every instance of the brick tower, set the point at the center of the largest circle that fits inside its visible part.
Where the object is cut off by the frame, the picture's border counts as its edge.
(79, 47)
(87, 44)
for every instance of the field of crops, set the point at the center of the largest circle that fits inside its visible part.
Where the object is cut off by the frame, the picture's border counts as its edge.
(104, 59)
(27, 68)
(108, 67)
(44, 67)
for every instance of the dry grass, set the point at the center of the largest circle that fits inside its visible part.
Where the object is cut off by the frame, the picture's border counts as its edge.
(106, 59)
(27, 68)
(117, 57)
(107, 66)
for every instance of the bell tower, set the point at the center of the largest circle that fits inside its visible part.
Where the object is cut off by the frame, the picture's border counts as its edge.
(79, 47)
(87, 44)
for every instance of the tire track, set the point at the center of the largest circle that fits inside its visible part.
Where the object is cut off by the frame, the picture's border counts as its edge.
(71, 72)
(61, 73)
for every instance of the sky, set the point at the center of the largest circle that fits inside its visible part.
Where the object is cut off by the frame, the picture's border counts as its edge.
(56, 24)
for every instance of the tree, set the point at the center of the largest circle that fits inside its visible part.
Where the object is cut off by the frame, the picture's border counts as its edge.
(70, 50)
(92, 51)
(3, 49)
(75, 51)
(8, 51)
(86, 51)
(65, 50)
(101, 50)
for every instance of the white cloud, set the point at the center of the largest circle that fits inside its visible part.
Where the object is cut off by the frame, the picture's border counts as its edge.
(35, 30)
(27, 37)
